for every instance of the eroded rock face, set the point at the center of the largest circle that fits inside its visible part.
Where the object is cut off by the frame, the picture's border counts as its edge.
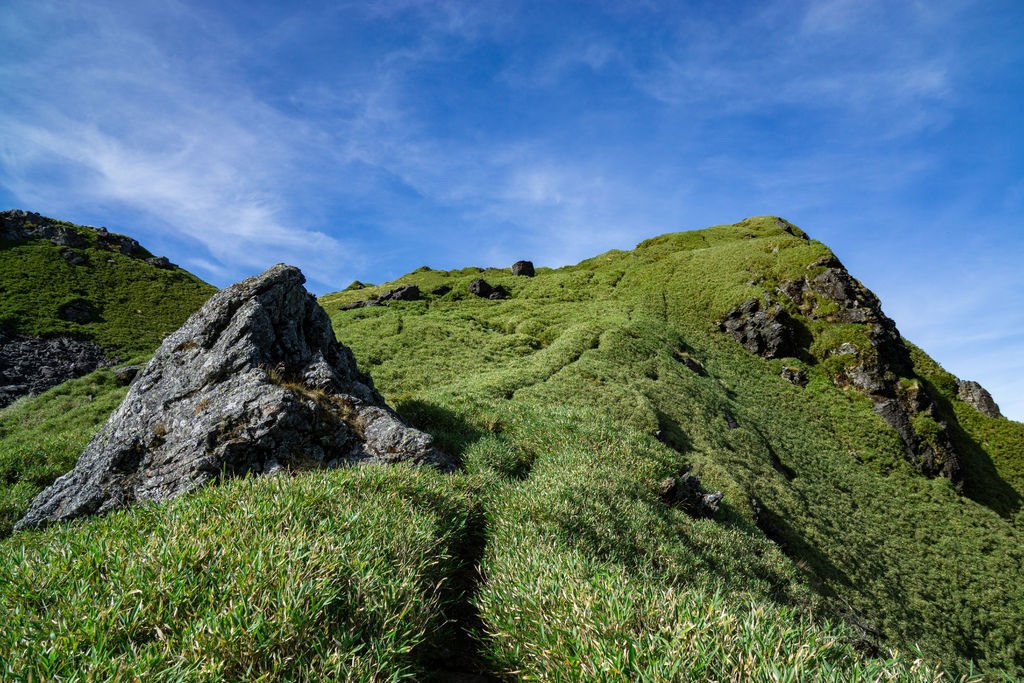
(875, 368)
(978, 398)
(31, 365)
(767, 331)
(253, 383)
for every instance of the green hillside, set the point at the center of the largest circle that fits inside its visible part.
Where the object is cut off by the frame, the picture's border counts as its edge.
(551, 555)
(130, 304)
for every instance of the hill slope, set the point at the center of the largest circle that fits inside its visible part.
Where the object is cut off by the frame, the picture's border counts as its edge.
(57, 278)
(552, 554)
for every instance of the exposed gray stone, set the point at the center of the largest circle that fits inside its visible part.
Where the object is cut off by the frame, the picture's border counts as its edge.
(254, 382)
(161, 262)
(403, 293)
(31, 365)
(19, 226)
(978, 398)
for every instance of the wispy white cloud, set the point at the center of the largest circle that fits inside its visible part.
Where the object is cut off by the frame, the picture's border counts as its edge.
(185, 147)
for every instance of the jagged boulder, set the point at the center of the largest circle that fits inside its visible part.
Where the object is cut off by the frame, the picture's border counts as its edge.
(253, 383)
(977, 396)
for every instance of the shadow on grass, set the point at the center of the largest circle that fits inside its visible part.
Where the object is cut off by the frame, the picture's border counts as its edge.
(452, 434)
(981, 480)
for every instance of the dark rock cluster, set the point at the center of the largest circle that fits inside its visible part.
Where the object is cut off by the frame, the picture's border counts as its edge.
(403, 293)
(767, 331)
(977, 396)
(483, 289)
(875, 370)
(31, 365)
(253, 383)
(686, 492)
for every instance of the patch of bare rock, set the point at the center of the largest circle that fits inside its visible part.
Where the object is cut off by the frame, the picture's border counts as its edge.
(31, 365)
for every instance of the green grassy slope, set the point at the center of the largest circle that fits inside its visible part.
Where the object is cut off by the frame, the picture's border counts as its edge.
(136, 304)
(830, 554)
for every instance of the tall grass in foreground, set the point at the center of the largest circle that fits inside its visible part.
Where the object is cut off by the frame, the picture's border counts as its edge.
(329, 576)
(42, 436)
(579, 620)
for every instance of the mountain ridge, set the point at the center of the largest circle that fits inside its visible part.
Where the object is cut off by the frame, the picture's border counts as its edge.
(568, 403)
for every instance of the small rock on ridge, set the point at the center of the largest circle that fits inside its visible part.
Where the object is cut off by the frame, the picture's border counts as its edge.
(524, 268)
(977, 396)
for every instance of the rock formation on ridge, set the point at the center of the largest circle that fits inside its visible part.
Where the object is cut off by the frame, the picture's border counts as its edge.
(977, 396)
(873, 367)
(254, 382)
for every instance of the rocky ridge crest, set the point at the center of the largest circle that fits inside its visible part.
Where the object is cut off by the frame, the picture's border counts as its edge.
(873, 366)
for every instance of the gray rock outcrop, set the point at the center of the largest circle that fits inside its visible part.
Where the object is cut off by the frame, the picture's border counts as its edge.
(17, 225)
(403, 293)
(31, 365)
(253, 383)
(977, 396)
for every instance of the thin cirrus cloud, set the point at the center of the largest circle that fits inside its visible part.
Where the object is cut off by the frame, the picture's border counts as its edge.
(130, 126)
(361, 140)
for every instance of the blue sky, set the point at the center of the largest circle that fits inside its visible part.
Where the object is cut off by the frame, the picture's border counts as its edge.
(362, 140)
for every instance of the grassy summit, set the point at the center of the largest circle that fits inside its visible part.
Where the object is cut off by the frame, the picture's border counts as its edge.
(550, 555)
